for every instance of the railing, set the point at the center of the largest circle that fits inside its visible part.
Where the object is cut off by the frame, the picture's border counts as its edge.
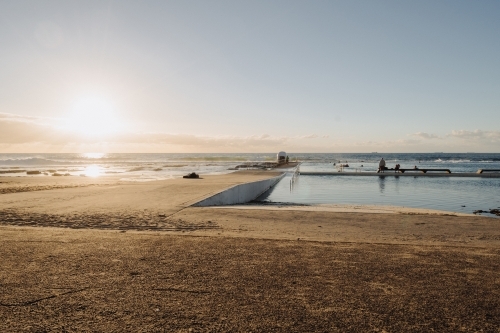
(295, 176)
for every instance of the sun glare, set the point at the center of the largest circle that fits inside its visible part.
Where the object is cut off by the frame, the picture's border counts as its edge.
(92, 171)
(92, 116)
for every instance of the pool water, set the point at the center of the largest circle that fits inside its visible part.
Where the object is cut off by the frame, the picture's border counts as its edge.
(464, 195)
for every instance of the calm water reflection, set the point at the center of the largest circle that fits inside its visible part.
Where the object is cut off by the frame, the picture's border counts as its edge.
(444, 193)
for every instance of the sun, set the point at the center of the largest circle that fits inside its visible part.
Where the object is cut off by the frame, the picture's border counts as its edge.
(92, 116)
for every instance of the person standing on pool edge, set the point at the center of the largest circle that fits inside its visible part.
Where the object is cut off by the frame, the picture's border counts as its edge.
(381, 165)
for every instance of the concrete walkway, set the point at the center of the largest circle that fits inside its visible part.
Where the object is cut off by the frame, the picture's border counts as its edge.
(406, 174)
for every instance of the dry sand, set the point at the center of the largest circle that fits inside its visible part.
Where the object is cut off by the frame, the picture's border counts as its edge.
(142, 260)
(110, 195)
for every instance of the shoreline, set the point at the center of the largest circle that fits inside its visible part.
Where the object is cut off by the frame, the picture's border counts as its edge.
(346, 208)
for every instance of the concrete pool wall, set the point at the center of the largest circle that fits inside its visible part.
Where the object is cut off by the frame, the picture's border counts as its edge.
(241, 193)
(391, 173)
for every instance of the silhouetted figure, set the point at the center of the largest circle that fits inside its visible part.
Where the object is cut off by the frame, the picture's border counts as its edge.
(381, 165)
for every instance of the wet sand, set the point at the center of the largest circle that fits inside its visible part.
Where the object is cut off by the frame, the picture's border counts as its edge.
(115, 257)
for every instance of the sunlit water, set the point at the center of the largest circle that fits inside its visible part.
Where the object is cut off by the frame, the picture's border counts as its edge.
(130, 167)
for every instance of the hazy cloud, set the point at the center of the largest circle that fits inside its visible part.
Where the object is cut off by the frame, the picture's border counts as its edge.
(43, 134)
(488, 136)
(311, 136)
(193, 140)
(425, 135)
(10, 117)
(387, 143)
(16, 129)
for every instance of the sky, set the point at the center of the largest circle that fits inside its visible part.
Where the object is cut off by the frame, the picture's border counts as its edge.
(249, 76)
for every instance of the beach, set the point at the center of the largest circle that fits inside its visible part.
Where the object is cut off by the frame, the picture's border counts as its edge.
(101, 254)
(249, 166)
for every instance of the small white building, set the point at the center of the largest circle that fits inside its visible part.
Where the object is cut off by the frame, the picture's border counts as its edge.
(281, 157)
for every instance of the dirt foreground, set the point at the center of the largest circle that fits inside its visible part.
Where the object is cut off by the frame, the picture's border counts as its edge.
(111, 257)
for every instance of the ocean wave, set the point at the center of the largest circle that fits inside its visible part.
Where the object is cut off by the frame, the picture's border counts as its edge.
(136, 169)
(129, 161)
(28, 161)
(145, 179)
(217, 158)
(459, 161)
(492, 160)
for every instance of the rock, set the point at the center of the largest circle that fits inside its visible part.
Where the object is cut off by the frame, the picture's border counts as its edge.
(35, 172)
(495, 211)
(57, 174)
(12, 171)
(191, 175)
(491, 211)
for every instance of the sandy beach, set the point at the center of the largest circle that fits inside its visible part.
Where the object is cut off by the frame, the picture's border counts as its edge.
(100, 254)
(341, 158)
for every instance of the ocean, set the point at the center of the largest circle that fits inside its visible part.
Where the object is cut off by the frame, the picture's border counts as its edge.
(217, 163)
(130, 167)
(443, 193)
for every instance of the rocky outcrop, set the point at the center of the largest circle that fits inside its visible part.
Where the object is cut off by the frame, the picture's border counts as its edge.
(12, 171)
(191, 175)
